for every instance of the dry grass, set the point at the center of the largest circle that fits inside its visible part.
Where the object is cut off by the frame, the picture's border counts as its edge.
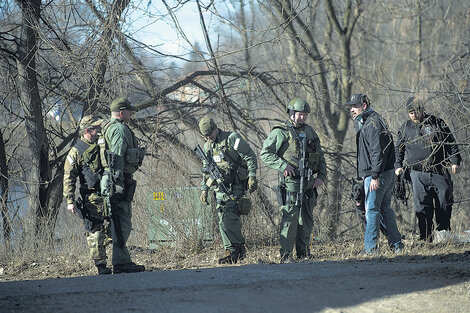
(69, 258)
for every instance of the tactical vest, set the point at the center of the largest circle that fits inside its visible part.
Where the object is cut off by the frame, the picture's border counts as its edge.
(233, 167)
(92, 169)
(134, 155)
(290, 149)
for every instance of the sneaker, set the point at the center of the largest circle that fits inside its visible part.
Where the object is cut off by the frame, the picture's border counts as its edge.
(398, 248)
(130, 267)
(103, 270)
(373, 252)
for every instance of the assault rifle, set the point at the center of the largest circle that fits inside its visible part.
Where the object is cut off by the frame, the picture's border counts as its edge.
(110, 195)
(212, 170)
(304, 170)
(84, 215)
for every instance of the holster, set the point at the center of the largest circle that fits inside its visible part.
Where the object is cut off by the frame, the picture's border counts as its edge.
(281, 195)
(131, 185)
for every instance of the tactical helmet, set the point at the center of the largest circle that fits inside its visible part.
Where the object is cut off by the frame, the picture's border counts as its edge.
(207, 126)
(298, 105)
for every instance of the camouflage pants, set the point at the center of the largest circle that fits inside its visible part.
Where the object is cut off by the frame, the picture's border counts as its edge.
(96, 244)
(98, 237)
(230, 226)
(295, 228)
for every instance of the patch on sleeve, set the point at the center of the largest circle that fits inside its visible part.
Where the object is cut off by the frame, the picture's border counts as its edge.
(70, 159)
(237, 142)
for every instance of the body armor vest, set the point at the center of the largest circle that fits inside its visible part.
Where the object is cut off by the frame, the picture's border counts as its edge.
(233, 167)
(290, 149)
(92, 170)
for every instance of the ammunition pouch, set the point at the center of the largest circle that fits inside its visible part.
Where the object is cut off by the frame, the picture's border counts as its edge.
(135, 156)
(241, 174)
(244, 205)
(291, 197)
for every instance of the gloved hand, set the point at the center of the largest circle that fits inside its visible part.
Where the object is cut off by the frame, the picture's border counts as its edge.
(203, 197)
(252, 183)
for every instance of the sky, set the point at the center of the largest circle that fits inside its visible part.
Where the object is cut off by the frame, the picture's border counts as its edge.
(152, 25)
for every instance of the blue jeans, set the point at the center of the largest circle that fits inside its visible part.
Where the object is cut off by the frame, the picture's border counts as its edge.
(377, 203)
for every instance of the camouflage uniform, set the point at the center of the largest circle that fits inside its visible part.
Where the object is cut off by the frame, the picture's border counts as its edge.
(279, 150)
(122, 143)
(83, 162)
(237, 161)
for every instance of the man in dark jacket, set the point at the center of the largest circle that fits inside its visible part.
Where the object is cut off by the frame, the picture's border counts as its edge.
(427, 147)
(375, 164)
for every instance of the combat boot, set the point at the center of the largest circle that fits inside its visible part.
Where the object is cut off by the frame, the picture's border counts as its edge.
(230, 257)
(103, 269)
(242, 253)
(130, 267)
(303, 255)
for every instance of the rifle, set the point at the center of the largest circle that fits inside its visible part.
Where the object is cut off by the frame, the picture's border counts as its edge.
(303, 168)
(84, 215)
(212, 169)
(109, 198)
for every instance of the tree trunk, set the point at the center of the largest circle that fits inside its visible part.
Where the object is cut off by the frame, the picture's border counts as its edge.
(40, 173)
(4, 187)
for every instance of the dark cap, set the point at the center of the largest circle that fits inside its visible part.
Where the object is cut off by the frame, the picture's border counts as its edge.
(90, 121)
(206, 126)
(357, 100)
(121, 104)
(414, 103)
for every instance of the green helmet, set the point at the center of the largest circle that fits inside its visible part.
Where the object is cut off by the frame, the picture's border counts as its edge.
(298, 105)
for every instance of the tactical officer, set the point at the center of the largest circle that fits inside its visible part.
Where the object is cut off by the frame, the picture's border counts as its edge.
(83, 161)
(121, 156)
(237, 161)
(427, 147)
(283, 151)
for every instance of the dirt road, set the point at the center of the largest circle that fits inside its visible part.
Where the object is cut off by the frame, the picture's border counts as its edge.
(371, 285)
